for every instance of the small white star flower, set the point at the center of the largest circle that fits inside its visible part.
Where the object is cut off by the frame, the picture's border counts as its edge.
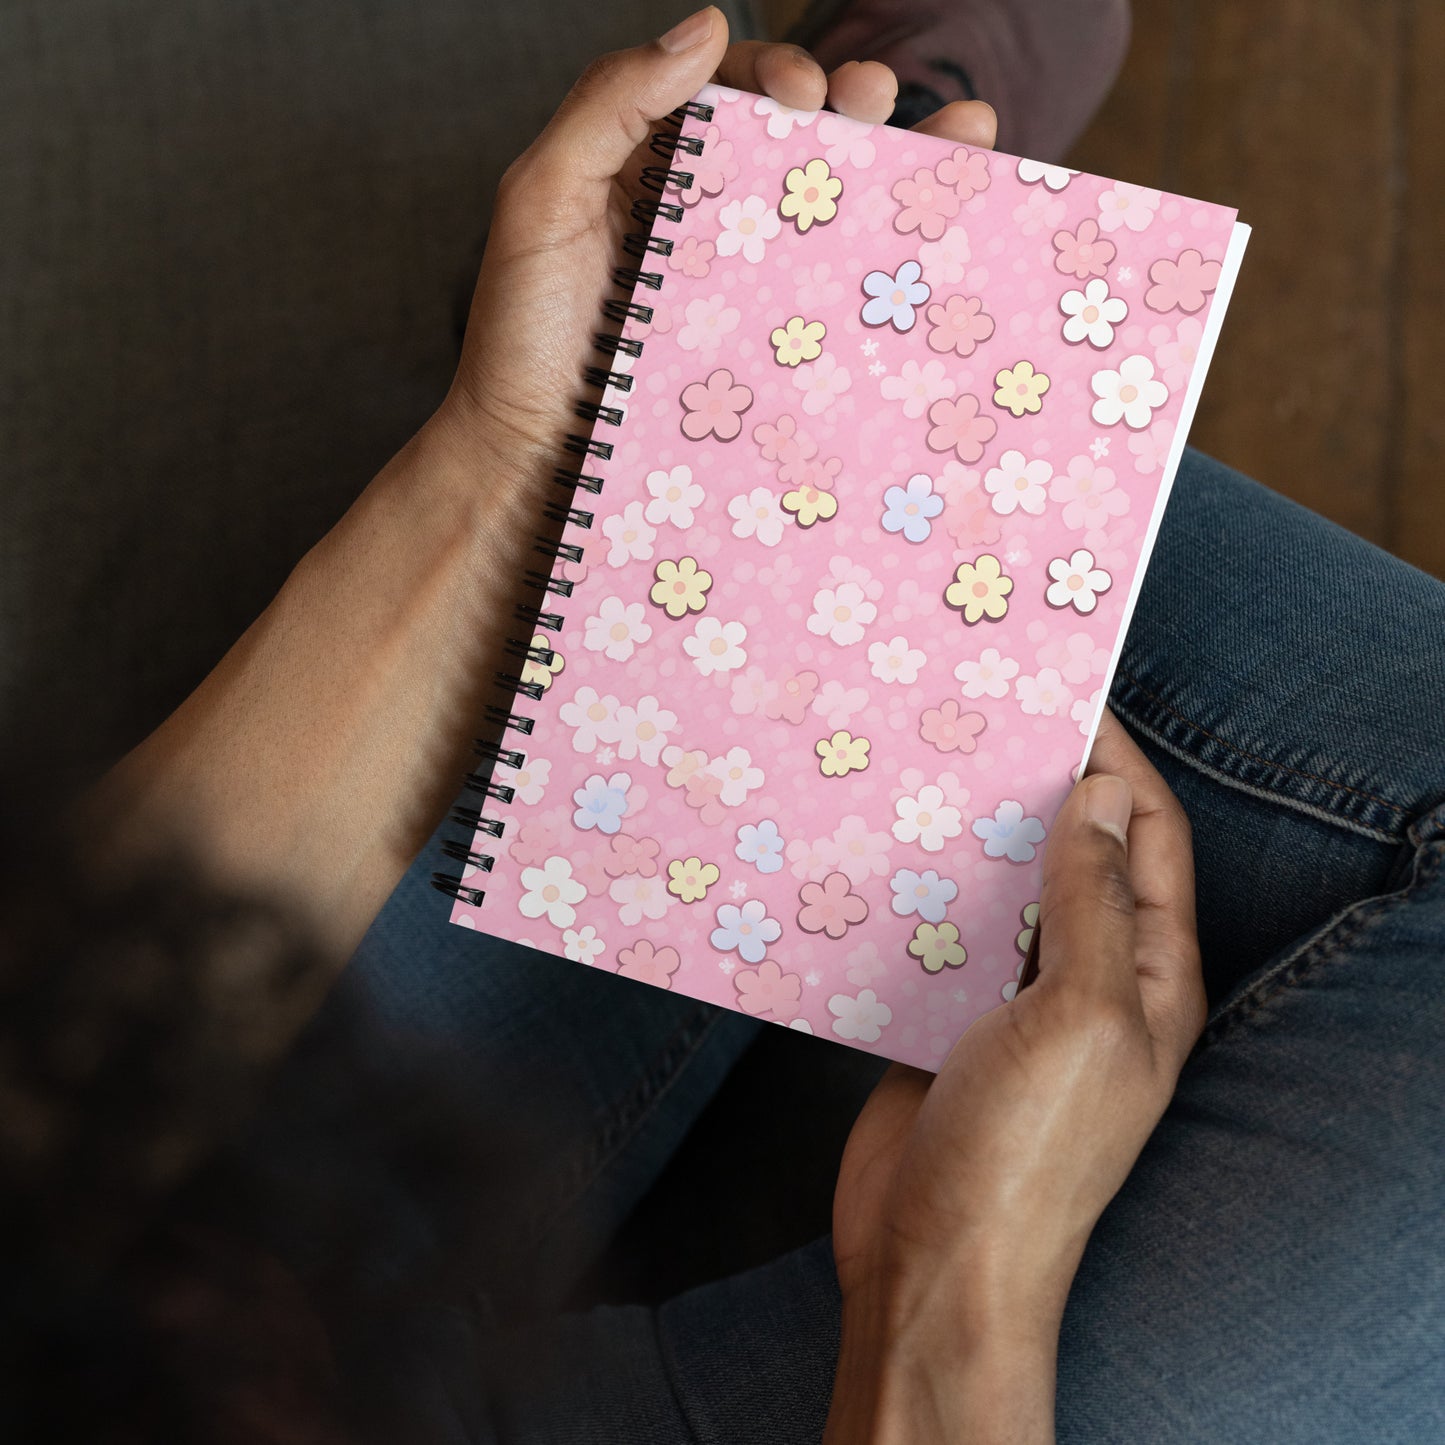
(869, 347)
(812, 978)
(877, 369)
(605, 756)
(726, 964)
(1100, 447)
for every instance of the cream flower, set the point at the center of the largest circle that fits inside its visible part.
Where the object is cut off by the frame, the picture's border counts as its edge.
(617, 629)
(681, 587)
(690, 878)
(542, 673)
(1092, 314)
(980, 589)
(1015, 483)
(747, 226)
(758, 514)
(1131, 395)
(924, 818)
(841, 754)
(798, 340)
(810, 504)
(841, 613)
(716, 646)
(550, 891)
(1077, 582)
(810, 195)
(1020, 388)
(936, 947)
(895, 660)
(675, 496)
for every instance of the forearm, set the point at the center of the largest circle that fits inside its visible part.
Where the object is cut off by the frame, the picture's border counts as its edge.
(319, 754)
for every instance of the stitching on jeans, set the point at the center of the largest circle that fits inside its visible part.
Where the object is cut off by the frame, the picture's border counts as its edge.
(1255, 757)
(1331, 940)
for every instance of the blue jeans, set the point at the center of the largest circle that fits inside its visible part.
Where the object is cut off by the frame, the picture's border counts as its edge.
(1274, 1267)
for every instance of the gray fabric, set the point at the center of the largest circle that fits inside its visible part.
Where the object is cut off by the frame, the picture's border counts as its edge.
(236, 238)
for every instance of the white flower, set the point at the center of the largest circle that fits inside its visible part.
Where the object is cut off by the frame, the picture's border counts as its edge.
(862, 1018)
(924, 818)
(895, 660)
(1126, 205)
(1077, 582)
(1100, 448)
(1054, 177)
(630, 534)
(748, 225)
(758, 514)
(1130, 394)
(944, 259)
(989, 676)
(801, 1026)
(1044, 693)
(1008, 834)
(592, 718)
(735, 771)
(841, 613)
(1015, 483)
(822, 382)
(582, 946)
(1092, 314)
(617, 628)
(782, 118)
(1082, 711)
(925, 894)
(674, 496)
(528, 781)
(642, 731)
(918, 387)
(551, 890)
(746, 928)
(716, 646)
(638, 897)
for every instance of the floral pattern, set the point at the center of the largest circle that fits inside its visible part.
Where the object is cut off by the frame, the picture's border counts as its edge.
(778, 769)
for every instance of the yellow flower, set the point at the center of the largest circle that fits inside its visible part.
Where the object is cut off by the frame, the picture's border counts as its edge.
(810, 195)
(980, 589)
(539, 672)
(936, 947)
(841, 754)
(1020, 388)
(1030, 920)
(681, 587)
(690, 878)
(810, 504)
(798, 341)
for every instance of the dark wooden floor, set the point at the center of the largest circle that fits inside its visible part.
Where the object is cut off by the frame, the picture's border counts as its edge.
(1323, 121)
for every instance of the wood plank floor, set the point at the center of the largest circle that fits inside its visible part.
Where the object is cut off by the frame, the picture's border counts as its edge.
(1323, 121)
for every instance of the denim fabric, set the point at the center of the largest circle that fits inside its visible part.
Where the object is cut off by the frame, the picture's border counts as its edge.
(1274, 1267)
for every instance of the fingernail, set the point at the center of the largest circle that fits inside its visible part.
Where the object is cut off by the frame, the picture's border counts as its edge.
(687, 33)
(1108, 803)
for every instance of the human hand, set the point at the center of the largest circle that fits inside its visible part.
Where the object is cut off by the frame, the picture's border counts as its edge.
(965, 1201)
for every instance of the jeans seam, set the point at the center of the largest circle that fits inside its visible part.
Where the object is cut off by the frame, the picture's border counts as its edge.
(1331, 939)
(1266, 794)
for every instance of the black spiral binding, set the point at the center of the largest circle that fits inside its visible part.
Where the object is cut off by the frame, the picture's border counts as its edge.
(532, 649)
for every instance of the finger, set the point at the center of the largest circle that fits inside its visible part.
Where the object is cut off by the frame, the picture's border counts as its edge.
(1086, 909)
(611, 111)
(1161, 870)
(969, 122)
(786, 72)
(864, 90)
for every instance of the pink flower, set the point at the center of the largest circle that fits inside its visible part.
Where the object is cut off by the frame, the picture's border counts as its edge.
(822, 382)
(692, 257)
(1089, 494)
(968, 515)
(1183, 284)
(966, 171)
(958, 427)
(849, 141)
(950, 730)
(630, 855)
(1076, 658)
(816, 285)
(1151, 448)
(927, 206)
(1081, 253)
(836, 702)
(750, 687)
(854, 851)
(958, 324)
(535, 842)
(648, 964)
(1176, 351)
(714, 407)
(814, 472)
(1040, 210)
(711, 170)
(767, 989)
(589, 868)
(783, 442)
(916, 386)
(709, 321)
(704, 791)
(789, 699)
(830, 907)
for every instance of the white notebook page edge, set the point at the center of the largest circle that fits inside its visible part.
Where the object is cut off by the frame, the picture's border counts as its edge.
(1219, 308)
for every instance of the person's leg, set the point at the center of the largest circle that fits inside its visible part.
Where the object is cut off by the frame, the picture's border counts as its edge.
(1274, 1267)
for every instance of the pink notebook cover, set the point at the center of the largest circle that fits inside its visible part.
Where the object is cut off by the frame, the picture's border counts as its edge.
(883, 487)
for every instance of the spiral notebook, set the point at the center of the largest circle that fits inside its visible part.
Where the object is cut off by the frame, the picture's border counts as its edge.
(881, 446)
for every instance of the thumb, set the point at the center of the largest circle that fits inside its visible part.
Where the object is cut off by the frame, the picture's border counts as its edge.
(615, 103)
(1086, 910)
